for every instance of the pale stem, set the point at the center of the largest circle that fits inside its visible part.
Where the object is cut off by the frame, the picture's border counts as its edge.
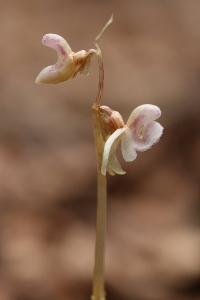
(100, 62)
(98, 279)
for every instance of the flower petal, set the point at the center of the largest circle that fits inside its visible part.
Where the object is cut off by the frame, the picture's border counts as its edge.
(142, 131)
(128, 146)
(64, 67)
(109, 156)
(143, 114)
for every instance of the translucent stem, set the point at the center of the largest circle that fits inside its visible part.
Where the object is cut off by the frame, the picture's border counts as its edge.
(100, 62)
(98, 279)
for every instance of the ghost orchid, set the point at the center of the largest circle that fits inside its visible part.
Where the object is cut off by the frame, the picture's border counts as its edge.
(139, 134)
(68, 64)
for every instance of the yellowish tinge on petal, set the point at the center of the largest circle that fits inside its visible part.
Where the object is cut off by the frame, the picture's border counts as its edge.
(110, 171)
(113, 162)
(109, 160)
(64, 68)
(82, 60)
(68, 63)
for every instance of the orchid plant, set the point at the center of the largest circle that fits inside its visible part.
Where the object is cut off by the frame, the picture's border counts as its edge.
(139, 134)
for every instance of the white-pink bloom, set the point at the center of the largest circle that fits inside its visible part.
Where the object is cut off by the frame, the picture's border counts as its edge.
(68, 64)
(139, 134)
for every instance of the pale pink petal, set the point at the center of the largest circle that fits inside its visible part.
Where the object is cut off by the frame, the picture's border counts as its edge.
(128, 146)
(64, 68)
(109, 155)
(142, 131)
(143, 114)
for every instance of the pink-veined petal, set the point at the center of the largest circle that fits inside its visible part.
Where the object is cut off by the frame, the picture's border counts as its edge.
(109, 154)
(142, 131)
(64, 68)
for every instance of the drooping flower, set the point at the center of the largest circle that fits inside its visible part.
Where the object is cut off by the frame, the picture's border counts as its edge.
(139, 134)
(68, 64)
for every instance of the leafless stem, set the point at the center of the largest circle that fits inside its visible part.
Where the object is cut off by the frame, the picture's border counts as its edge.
(98, 279)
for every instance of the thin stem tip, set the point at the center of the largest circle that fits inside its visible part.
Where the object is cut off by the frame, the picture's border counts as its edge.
(104, 28)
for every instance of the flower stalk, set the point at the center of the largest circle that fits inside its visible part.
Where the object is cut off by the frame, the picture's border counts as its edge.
(98, 292)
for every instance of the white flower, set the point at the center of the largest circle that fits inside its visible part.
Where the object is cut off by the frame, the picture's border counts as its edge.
(68, 64)
(139, 134)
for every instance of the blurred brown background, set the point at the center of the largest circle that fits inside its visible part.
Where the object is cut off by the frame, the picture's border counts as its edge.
(47, 160)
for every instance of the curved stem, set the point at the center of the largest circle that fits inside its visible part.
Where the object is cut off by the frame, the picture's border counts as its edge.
(100, 62)
(101, 77)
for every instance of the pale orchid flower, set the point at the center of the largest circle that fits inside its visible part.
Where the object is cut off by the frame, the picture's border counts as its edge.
(68, 64)
(139, 134)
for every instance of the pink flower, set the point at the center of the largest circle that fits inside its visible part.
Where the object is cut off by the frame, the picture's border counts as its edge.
(68, 64)
(139, 134)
